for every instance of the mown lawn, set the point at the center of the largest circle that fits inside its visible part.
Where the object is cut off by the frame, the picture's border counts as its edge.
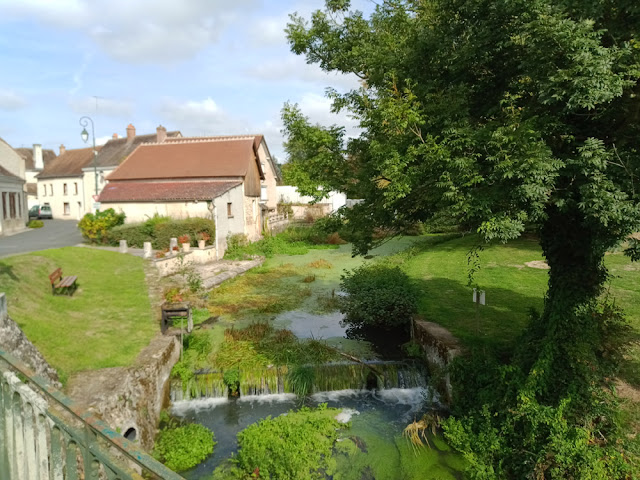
(440, 270)
(106, 322)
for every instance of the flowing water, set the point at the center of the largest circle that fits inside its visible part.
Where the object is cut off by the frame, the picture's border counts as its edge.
(377, 416)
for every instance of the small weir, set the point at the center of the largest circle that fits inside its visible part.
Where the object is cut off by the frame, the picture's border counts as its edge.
(339, 376)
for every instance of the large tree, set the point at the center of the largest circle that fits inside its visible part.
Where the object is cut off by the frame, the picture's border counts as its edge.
(503, 113)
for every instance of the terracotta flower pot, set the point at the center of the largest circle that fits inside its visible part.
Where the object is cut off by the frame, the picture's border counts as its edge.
(201, 244)
(186, 247)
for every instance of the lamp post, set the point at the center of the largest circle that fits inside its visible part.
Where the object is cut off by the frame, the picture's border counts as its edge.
(84, 122)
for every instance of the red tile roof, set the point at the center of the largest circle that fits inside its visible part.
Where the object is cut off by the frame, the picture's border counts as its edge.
(163, 191)
(117, 149)
(68, 164)
(206, 157)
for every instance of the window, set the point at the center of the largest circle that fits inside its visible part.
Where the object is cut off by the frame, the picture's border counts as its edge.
(4, 205)
(44, 190)
(64, 189)
(263, 193)
(229, 212)
(12, 205)
(51, 189)
(75, 188)
(67, 209)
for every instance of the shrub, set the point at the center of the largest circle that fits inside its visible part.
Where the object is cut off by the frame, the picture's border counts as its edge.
(378, 296)
(35, 224)
(95, 227)
(165, 231)
(295, 446)
(184, 447)
(134, 234)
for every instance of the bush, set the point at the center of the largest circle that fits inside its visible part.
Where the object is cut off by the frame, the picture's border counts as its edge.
(159, 231)
(378, 296)
(295, 446)
(134, 234)
(35, 224)
(184, 447)
(95, 227)
(165, 231)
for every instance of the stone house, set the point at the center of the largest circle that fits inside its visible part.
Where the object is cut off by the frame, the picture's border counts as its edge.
(34, 159)
(61, 185)
(112, 154)
(13, 199)
(230, 179)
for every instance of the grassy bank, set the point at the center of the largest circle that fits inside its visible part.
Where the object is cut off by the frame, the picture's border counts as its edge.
(106, 322)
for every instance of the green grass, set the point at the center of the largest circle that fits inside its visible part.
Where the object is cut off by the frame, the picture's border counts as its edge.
(106, 322)
(441, 273)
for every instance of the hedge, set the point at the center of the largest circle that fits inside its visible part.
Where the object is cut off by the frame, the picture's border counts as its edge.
(161, 232)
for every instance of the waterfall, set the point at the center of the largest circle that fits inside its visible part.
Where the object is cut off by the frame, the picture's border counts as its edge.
(378, 375)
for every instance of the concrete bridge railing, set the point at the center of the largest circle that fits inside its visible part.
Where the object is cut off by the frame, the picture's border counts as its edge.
(43, 437)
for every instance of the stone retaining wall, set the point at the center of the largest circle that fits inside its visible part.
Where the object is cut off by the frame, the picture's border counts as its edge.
(130, 398)
(173, 263)
(439, 347)
(14, 341)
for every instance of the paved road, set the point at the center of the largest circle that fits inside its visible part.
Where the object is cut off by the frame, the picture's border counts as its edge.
(54, 234)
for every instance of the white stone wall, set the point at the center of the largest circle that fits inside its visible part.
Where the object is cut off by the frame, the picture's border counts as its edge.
(141, 211)
(10, 160)
(8, 225)
(75, 200)
(289, 194)
(252, 218)
(270, 177)
(228, 225)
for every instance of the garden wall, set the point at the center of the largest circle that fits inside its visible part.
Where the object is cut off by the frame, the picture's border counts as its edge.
(173, 263)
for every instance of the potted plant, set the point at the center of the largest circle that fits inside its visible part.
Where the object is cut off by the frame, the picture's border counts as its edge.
(185, 241)
(203, 238)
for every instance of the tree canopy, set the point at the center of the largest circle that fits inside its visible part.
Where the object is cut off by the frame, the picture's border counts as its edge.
(505, 114)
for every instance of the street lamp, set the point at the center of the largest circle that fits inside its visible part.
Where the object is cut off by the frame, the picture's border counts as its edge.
(84, 122)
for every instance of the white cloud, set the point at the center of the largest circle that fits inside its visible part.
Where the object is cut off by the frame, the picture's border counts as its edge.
(203, 117)
(101, 106)
(318, 109)
(269, 31)
(141, 31)
(11, 101)
(295, 68)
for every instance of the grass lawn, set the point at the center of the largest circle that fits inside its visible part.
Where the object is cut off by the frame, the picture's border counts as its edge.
(440, 271)
(106, 322)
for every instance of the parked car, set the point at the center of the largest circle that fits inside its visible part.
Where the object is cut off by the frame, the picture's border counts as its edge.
(40, 212)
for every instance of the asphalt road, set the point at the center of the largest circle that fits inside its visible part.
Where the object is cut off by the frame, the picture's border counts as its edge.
(54, 234)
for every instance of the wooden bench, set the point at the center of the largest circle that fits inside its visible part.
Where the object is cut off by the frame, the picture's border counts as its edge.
(66, 285)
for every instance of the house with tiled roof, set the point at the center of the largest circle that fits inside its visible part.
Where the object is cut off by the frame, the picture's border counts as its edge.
(113, 153)
(13, 199)
(34, 159)
(230, 179)
(61, 185)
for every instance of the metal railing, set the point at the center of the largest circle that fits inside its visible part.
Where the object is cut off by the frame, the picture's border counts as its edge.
(43, 435)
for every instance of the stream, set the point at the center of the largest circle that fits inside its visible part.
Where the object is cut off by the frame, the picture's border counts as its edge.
(380, 396)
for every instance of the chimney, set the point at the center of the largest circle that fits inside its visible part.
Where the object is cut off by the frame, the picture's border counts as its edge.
(62, 149)
(162, 133)
(114, 136)
(38, 163)
(131, 132)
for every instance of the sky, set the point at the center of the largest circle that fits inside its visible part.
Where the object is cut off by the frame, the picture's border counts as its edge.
(203, 67)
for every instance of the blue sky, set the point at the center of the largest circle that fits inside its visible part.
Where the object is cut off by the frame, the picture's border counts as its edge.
(204, 67)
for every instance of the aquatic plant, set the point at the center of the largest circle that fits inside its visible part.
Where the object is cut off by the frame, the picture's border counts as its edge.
(295, 446)
(183, 447)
